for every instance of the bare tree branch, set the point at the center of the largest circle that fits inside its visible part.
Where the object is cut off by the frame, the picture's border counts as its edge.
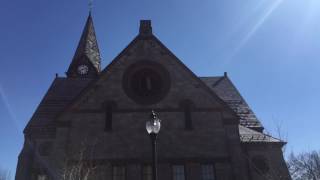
(305, 166)
(79, 167)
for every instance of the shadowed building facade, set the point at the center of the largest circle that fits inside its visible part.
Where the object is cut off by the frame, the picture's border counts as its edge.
(94, 120)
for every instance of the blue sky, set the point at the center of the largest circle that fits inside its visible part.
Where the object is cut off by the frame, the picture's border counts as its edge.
(270, 49)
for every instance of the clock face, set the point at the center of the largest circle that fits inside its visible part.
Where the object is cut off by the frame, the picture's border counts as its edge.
(83, 69)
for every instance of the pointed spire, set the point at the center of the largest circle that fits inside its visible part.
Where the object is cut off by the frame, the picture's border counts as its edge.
(87, 50)
(90, 4)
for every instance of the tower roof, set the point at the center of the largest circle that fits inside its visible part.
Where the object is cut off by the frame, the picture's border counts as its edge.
(87, 47)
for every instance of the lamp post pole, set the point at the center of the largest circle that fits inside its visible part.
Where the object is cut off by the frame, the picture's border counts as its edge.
(154, 155)
(153, 128)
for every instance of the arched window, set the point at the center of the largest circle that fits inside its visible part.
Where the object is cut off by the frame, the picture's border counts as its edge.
(109, 107)
(187, 107)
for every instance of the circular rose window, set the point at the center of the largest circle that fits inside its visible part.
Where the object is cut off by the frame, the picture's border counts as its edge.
(146, 82)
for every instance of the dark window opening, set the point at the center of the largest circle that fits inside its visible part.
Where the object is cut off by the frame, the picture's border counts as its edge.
(110, 107)
(108, 125)
(187, 107)
(178, 172)
(118, 172)
(147, 172)
(188, 119)
(207, 172)
(147, 83)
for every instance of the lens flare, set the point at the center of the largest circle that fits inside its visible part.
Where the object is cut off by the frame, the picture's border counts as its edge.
(248, 35)
(9, 109)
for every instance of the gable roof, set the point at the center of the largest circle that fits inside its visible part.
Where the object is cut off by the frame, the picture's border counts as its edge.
(63, 90)
(153, 37)
(225, 89)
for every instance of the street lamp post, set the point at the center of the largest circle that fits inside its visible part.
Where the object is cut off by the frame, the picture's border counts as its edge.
(153, 128)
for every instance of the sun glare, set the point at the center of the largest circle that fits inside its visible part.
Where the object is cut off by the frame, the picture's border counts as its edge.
(9, 109)
(260, 20)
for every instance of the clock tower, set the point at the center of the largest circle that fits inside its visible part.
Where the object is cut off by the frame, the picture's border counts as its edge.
(86, 62)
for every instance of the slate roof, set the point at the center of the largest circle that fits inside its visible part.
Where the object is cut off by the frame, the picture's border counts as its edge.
(251, 136)
(225, 89)
(61, 92)
(250, 128)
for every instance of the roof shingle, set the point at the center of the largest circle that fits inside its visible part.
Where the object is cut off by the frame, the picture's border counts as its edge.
(61, 92)
(224, 88)
(251, 136)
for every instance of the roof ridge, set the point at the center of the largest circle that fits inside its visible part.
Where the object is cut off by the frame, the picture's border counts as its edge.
(209, 76)
(217, 82)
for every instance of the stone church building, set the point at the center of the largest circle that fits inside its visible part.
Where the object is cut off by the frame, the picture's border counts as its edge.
(91, 123)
